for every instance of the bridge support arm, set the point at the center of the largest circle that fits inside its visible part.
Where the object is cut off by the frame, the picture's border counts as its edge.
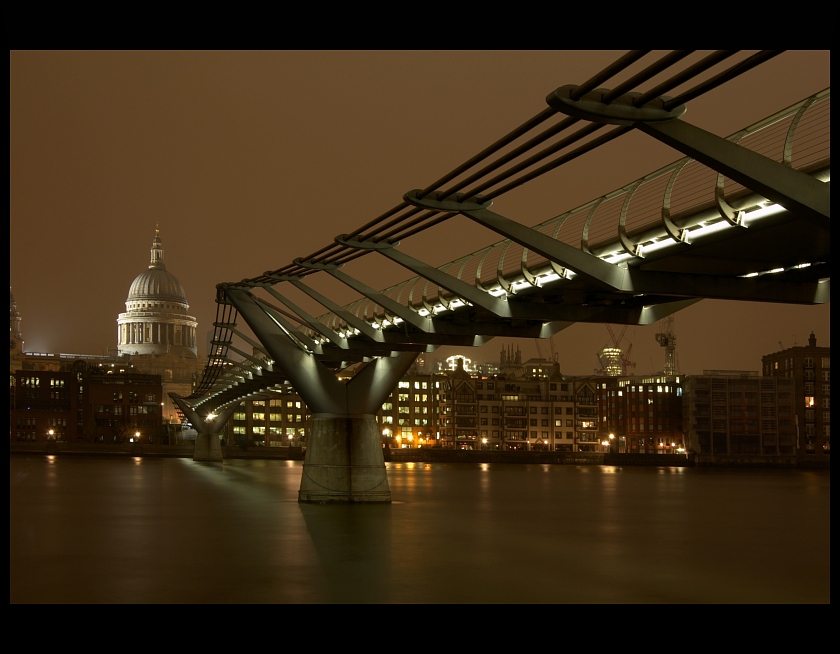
(315, 383)
(606, 275)
(341, 312)
(796, 191)
(207, 444)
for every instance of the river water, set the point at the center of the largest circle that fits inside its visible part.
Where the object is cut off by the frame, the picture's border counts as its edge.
(164, 530)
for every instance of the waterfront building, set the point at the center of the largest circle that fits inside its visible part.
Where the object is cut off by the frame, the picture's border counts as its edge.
(77, 402)
(809, 366)
(410, 416)
(741, 413)
(530, 406)
(641, 414)
(278, 417)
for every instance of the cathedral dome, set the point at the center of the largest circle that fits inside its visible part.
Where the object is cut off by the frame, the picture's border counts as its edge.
(156, 321)
(156, 284)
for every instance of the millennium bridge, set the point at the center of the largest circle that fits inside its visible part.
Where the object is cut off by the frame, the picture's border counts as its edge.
(739, 217)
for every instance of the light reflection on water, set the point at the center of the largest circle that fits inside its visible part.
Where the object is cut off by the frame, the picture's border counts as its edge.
(91, 529)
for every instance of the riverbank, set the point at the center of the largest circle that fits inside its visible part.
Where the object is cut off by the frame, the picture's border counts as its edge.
(437, 455)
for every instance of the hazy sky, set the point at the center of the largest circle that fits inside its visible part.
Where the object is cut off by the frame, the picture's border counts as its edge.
(247, 160)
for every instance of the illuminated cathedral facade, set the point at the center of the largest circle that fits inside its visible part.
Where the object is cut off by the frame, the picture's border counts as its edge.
(156, 321)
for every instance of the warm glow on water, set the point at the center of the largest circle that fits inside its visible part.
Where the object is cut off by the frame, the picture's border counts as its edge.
(119, 530)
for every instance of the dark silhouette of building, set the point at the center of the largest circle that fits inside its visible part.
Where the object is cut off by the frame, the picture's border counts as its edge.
(809, 366)
(730, 413)
(81, 403)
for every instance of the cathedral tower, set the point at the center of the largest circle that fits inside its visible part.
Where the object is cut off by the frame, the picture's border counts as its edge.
(15, 337)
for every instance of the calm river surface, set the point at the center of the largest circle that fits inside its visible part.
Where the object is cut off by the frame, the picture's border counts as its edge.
(158, 530)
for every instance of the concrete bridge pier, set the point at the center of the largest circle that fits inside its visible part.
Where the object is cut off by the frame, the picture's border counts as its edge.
(208, 447)
(344, 461)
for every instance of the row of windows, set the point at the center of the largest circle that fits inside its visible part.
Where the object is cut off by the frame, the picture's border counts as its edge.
(420, 385)
(133, 409)
(273, 417)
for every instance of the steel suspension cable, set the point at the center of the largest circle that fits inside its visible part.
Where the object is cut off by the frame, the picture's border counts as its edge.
(692, 71)
(590, 145)
(613, 69)
(723, 77)
(643, 76)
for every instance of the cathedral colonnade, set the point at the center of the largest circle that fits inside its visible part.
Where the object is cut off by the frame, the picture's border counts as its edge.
(176, 332)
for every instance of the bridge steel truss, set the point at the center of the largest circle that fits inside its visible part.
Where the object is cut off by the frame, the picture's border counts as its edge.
(719, 223)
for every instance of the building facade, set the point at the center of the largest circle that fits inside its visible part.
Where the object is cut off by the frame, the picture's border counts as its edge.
(76, 402)
(739, 414)
(528, 406)
(809, 366)
(641, 414)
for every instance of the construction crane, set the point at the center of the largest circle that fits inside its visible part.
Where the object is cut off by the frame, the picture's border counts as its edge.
(540, 350)
(667, 338)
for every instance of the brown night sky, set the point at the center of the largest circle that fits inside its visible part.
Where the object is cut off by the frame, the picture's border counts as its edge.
(247, 160)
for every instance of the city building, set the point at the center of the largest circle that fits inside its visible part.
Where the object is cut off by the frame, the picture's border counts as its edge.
(410, 416)
(641, 414)
(809, 366)
(278, 418)
(528, 406)
(739, 413)
(77, 402)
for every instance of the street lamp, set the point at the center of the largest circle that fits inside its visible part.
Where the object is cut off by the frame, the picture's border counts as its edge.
(484, 443)
(50, 435)
(612, 442)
